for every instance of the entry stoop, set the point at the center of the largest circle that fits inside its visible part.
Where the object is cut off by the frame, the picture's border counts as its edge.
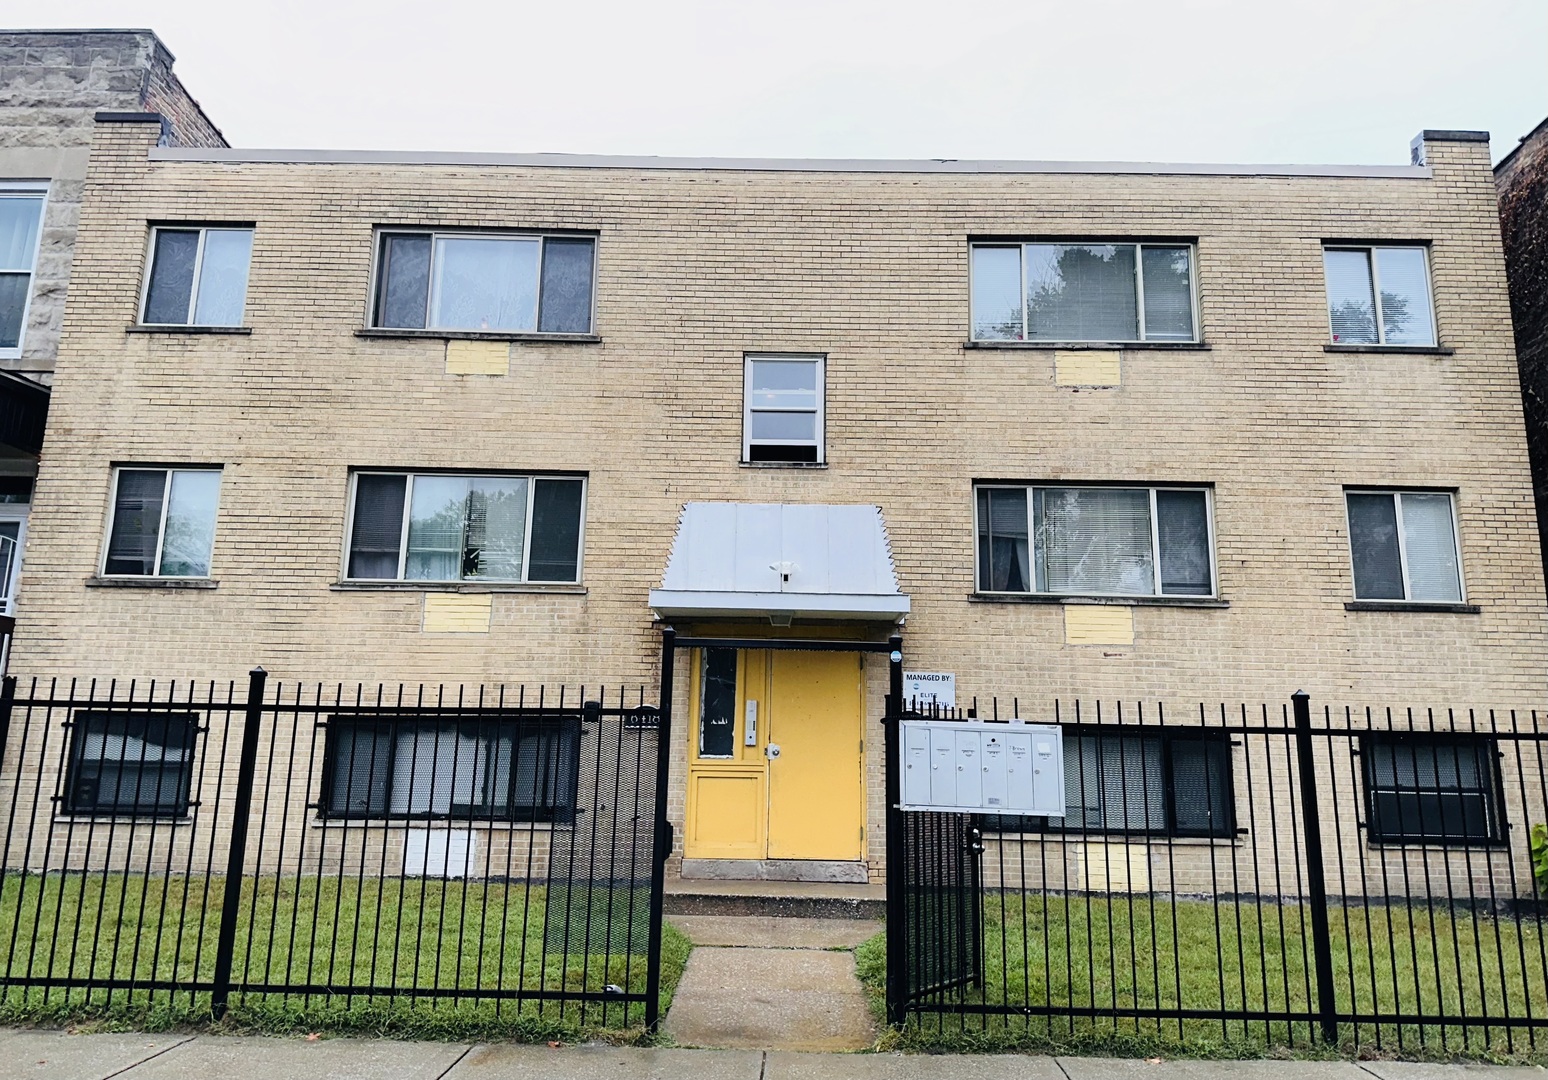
(797, 899)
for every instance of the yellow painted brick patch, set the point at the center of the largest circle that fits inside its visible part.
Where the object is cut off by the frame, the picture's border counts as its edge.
(451, 613)
(1117, 868)
(1098, 624)
(1087, 367)
(477, 358)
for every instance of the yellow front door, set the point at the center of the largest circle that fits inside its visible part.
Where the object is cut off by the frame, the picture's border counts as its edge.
(775, 758)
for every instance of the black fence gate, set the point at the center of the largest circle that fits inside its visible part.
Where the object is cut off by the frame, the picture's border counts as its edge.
(1252, 876)
(192, 848)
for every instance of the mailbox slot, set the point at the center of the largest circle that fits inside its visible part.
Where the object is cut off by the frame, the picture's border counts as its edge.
(982, 767)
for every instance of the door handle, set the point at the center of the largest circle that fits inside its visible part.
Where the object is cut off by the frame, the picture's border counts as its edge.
(771, 751)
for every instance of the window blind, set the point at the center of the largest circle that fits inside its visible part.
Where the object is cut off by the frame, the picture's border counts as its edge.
(1351, 300)
(1079, 292)
(1405, 296)
(1094, 540)
(1430, 543)
(1168, 293)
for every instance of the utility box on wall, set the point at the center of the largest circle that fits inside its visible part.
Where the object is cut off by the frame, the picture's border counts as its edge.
(982, 767)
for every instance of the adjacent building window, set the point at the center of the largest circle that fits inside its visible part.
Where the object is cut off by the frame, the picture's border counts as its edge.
(505, 769)
(131, 764)
(21, 218)
(198, 277)
(484, 281)
(1404, 546)
(1379, 295)
(783, 417)
(1083, 292)
(456, 527)
(1441, 788)
(717, 704)
(163, 522)
(1095, 541)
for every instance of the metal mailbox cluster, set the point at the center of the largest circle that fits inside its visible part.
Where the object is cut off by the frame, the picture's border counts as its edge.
(1011, 768)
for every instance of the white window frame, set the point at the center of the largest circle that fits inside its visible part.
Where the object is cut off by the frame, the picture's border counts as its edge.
(372, 298)
(24, 189)
(17, 512)
(1139, 289)
(161, 526)
(1395, 494)
(198, 269)
(821, 442)
(1155, 539)
(408, 502)
(1381, 323)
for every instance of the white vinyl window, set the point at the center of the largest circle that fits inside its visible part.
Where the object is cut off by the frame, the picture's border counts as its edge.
(1083, 292)
(1379, 295)
(1403, 545)
(497, 282)
(198, 277)
(783, 409)
(163, 523)
(459, 527)
(21, 221)
(1095, 541)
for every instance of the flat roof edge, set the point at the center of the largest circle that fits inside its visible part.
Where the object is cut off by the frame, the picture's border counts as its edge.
(822, 165)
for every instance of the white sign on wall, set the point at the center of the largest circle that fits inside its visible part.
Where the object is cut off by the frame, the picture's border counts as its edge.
(926, 687)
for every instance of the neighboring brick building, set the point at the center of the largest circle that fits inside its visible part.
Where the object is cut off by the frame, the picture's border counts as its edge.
(1521, 178)
(52, 83)
(1115, 445)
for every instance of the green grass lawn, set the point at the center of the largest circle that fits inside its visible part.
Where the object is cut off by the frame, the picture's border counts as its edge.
(379, 932)
(1188, 954)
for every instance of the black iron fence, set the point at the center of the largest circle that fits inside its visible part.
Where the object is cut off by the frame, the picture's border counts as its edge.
(284, 848)
(1262, 875)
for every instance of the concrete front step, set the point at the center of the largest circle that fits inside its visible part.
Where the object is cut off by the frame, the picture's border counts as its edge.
(799, 899)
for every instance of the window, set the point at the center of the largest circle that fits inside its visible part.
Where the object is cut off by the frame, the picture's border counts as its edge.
(484, 281)
(1083, 292)
(1379, 295)
(717, 704)
(1439, 787)
(1404, 546)
(21, 217)
(138, 764)
(163, 523)
(783, 420)
(198, 277)
(498, 768)
(1095, 541)
(1157, 783)
(455, 527)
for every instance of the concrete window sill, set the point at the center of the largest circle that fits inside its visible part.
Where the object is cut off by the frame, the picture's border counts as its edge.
(479, 335)
(1418, 350)
(1121, 601)
(150, 583)
(1404, 605)
(458, 587)
(1104, 346)
(140, 328)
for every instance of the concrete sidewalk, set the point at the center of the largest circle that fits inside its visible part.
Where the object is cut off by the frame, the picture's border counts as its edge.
(51, 1055)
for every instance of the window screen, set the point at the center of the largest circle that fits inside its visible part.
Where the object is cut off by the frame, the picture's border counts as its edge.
(1423, 787)
(131, 764)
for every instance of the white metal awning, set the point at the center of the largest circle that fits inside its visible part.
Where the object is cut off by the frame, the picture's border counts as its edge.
(778, 560)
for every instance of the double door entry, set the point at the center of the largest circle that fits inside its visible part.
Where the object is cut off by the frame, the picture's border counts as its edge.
(775, 763)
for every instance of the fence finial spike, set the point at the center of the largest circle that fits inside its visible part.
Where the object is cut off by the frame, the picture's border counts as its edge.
(258, 671)
(1300, 694)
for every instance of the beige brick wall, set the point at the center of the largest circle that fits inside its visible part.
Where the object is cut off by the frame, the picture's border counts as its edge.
(695, 269)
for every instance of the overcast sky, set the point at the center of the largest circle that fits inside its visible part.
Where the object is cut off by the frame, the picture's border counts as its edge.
(1132, 80)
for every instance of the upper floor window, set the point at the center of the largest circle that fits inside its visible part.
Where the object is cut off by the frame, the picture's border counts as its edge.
(163, 523)
(506, 283)
(198, 276)
(21, 217)
(1431, 787)
(1379, 295)
(1083, 292)
(1095, 541)
(456, 527)
(783, 416)
(1404, 546)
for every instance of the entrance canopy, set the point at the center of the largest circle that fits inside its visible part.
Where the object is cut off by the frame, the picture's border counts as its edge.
(781, 561)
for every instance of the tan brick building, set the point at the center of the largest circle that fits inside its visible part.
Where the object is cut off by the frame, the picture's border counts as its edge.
(1115, 443)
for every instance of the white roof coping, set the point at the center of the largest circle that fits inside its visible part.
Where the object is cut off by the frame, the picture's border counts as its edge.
(817, 165)
(796, 559)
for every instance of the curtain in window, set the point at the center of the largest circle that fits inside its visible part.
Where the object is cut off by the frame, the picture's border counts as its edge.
(223, 277)
(1373, 542)
(1182, 525)
(172, 276)
(19, 219)
(485, 283)
(997, 296)
(1351, 300)
(1094, 540)
(1430, 543)
(403, 292)
(1004, 563)
(1078, 292)
(1405, 296)
(1168, 293)
(567, 277)
(378, 526)
(137, 509)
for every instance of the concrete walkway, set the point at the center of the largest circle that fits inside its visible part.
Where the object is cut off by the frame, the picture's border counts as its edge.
(771, 983)
(42, 1055)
